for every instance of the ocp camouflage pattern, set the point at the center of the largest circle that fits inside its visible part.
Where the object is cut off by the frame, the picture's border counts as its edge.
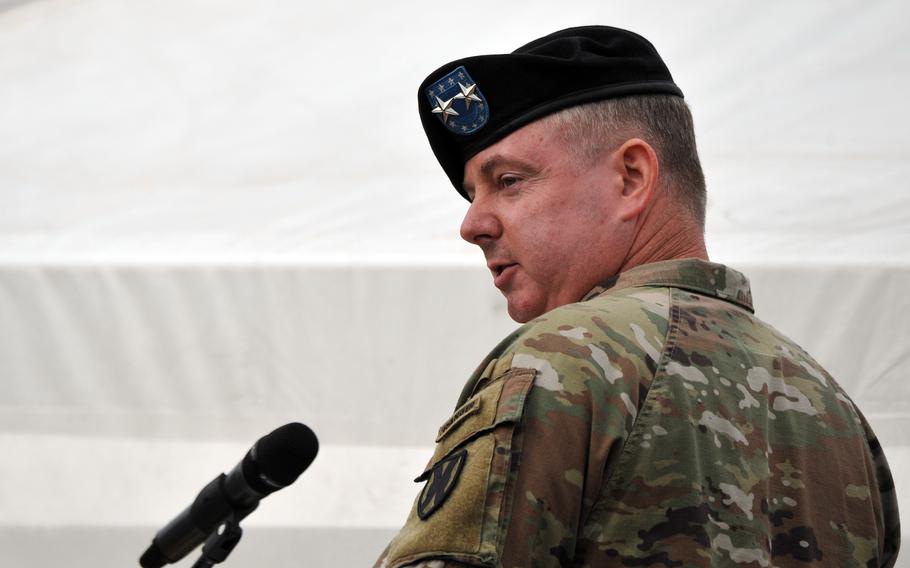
(657, 423)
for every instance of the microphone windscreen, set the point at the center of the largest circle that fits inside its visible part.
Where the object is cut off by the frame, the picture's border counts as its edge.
(278, 458)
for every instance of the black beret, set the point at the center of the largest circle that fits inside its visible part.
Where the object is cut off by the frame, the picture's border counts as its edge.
(472, 103)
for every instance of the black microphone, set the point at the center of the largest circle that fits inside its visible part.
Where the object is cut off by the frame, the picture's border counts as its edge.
(276, 460)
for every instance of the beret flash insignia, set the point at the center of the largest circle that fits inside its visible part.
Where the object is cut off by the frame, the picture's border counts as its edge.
(457, 101)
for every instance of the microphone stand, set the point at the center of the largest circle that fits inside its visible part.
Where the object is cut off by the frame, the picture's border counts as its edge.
(219, 545)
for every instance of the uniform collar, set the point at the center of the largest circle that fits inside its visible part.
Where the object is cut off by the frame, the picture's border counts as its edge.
(692, 274)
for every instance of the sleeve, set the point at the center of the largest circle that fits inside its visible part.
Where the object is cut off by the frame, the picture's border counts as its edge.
(519, 466)
(456, 516)
(573, 428)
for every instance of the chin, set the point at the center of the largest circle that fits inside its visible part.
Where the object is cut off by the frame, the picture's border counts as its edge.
(523, 312)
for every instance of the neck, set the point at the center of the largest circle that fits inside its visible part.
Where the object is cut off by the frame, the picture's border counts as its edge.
(665, 236)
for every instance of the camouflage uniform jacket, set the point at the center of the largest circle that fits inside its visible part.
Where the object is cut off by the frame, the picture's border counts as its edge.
(655, 423)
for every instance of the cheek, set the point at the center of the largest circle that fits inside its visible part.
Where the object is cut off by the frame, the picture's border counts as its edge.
(548, 250)
(552, 236)
(544, 231)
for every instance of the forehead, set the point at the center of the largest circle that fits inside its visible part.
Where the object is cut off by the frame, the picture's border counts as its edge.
(530, 139)
(540, 143)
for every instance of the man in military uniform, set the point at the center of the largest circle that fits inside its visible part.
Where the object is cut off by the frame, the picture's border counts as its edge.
(643, 416)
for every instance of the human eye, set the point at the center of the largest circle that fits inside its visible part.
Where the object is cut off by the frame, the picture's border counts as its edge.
(508, 180)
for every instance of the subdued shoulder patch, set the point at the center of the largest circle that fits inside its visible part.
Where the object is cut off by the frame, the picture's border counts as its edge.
(442, 480)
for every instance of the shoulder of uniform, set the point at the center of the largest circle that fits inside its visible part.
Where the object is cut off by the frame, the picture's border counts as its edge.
(605, 316)
(610, 336)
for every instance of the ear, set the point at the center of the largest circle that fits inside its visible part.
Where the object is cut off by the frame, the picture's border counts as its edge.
(638, 165)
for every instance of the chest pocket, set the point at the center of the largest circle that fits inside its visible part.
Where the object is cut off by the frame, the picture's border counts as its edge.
(458, 513)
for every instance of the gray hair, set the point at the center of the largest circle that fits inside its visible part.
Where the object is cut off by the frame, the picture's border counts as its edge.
(664, 121)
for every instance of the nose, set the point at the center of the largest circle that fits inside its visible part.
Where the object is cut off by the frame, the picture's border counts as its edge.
(480, 223)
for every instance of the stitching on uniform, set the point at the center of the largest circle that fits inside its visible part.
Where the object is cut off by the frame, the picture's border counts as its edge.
(714, 292)
(672, 338)
(669, 347)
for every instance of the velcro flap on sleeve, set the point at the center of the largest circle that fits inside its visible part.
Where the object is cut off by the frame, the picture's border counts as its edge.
(499, 402)
(457, 514)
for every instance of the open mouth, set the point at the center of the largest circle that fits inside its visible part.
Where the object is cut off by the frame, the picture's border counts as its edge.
(502, 274)
(500, 268)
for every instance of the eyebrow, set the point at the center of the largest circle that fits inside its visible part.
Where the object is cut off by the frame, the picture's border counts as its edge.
(491, 163)
(497, 160)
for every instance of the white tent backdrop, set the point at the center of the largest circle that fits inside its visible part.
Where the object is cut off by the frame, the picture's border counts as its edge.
(221, 216)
